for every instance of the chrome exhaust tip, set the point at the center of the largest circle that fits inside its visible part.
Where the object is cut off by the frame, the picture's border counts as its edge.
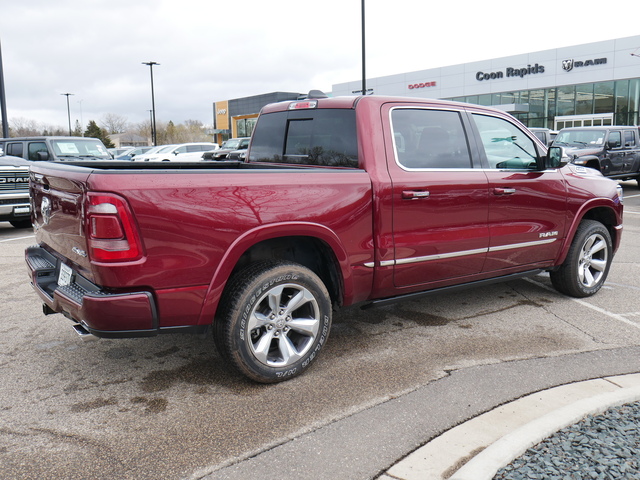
(81, 330)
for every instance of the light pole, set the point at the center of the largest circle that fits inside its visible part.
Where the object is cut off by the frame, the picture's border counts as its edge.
(81, 120)
(3, 102)
(153, 103)
(68, 109)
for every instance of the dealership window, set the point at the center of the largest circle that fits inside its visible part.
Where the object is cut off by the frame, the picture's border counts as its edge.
(429, 139)
(621, 97)
(603, 96)
(566, 104)
(584, 99)
(622, 102)
(245, 126)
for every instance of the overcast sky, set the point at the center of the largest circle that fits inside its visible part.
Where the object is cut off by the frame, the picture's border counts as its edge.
(217, 50)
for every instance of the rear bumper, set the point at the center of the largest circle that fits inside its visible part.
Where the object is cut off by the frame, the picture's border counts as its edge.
(101, 313)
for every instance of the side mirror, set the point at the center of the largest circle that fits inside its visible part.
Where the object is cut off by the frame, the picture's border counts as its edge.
(42, 156)
(556, 158)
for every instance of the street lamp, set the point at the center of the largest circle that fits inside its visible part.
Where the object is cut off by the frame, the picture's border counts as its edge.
(153, 103)
(68, 109)
(3, 102)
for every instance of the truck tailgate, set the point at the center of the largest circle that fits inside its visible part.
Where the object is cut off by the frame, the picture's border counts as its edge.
(58, 213)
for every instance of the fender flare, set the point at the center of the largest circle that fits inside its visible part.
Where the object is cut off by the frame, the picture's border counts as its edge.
(267, 232)
(589, 158)
(580, 215)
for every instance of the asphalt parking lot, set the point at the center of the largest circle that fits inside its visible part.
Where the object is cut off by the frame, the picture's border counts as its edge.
(168, 408)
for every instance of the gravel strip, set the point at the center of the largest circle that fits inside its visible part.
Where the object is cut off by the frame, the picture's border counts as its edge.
(605, 446)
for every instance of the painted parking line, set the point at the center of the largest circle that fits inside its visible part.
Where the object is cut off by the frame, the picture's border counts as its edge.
(614, 316)
(16, 238)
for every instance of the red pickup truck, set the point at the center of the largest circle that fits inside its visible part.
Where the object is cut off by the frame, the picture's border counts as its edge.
(341, 201)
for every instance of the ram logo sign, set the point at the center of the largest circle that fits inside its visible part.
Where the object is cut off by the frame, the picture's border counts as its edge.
(569, 65)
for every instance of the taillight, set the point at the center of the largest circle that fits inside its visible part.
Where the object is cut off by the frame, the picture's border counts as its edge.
(112, 235)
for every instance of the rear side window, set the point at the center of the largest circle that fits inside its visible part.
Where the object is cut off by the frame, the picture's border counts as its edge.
(14, 149)
(324, 137)
(429, 139)
(629, 138)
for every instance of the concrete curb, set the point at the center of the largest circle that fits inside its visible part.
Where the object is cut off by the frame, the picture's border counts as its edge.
(478, 448)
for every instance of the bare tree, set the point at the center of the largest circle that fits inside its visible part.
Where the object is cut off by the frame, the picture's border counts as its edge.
(112, 123)
(23, 127)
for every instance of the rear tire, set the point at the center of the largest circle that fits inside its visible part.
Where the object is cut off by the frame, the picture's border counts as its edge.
(274, 319)
(586, 267)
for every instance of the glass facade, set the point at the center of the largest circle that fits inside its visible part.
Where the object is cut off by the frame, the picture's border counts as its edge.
(620, 97)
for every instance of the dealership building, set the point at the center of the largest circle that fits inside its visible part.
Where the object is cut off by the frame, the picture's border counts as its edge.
(592, 84)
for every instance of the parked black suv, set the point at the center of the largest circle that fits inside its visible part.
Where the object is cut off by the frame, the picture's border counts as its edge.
(613, 150)
(231, 145)
(55, 148)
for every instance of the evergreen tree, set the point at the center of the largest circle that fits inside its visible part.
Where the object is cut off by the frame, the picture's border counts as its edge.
(77, 131)
(94, 131)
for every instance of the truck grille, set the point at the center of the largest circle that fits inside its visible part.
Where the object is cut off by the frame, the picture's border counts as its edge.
(14, 181)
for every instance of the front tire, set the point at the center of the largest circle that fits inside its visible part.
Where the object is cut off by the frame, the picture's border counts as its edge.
(274, 320)
(586, 267)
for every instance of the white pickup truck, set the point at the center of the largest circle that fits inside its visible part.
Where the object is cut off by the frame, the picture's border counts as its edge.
(14, 192)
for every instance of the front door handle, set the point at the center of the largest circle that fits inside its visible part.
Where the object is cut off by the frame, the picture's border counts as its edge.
(414, 194)
(504, 191)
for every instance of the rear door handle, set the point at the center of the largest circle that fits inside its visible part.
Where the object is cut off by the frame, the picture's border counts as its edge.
(504, 191)
(414, 194)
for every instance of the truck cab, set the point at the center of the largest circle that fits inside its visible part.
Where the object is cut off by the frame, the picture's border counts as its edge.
(612, 150)
(57, 149)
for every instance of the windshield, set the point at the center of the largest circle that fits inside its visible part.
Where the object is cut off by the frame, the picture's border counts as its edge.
(231, 144)
(165, 149)
(581, 138)
(80, 148)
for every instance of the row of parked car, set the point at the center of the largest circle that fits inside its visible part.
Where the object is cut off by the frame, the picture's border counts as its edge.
(18, 153)
(234, 148)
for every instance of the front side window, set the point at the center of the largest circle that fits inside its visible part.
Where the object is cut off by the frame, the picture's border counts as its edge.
(429, 139)
(505, 145)
(615, 139)
(324, 137)
(34, 148)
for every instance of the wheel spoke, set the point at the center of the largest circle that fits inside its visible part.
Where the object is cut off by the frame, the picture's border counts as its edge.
(256, 320)
(299, 299)
(275, 296)
(596, 246)
(585, 276)
(305, 326)
(261, 348)
(287, 350)
(599, 265)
